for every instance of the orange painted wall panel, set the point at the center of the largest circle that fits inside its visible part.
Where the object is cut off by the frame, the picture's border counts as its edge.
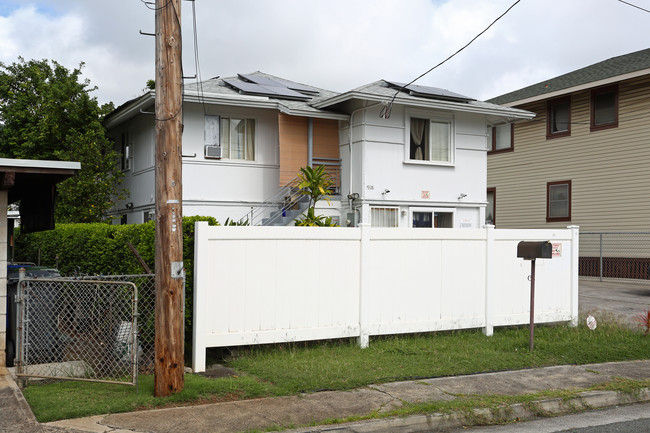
(293, 137)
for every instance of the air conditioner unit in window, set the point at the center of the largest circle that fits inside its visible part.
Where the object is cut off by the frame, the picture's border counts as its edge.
(212, 151)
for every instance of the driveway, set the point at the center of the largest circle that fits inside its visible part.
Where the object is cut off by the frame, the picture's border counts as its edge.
(622, 299)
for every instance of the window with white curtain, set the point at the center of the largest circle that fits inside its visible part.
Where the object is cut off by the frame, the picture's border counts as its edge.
(430, 140)
(238, 138)
(384, 216)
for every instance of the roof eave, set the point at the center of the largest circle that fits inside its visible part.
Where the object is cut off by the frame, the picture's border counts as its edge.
(584, 86)
(122, 114)
(514, 113)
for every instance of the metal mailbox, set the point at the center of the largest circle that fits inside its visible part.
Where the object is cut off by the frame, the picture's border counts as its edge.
(534, 250)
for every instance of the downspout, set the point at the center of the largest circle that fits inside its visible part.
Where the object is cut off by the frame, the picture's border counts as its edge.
(310, 142)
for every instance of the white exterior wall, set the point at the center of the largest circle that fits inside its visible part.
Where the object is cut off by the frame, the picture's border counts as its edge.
(380, 162)
(256, 285)
(211, 187)
(377, 161)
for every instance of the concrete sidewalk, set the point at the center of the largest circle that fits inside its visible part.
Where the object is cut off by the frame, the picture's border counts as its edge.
(319, 408)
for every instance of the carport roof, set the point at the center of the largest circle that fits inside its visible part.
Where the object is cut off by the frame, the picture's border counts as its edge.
(23, 176)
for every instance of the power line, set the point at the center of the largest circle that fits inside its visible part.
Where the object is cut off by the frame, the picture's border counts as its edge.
(634, 6)
(385, 112)
(197, 64)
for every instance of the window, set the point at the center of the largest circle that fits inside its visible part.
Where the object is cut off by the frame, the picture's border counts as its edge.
(230, 138)
(211, 130)
(558, 201)
(490, 210)
(501, 138)
(126, 151)
(384, 216)
(558, 118)
(149, 215)
(430, 140)
(238, 138)
(432, 219)
(604, 108)
(423, 219)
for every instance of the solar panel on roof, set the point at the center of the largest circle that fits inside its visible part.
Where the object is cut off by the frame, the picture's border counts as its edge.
(430, 92)
(275, 81)
(257, 79)
(264, 90)
(297, 86)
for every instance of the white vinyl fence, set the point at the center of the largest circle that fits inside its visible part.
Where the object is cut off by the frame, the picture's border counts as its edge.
(256, 285)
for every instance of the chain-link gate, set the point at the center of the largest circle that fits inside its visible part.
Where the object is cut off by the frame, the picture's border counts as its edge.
(621, 255)
(146, 284)
(78, 329)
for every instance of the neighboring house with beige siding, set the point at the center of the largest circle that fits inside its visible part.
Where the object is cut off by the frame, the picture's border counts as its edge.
(583, 160)
(400, 156)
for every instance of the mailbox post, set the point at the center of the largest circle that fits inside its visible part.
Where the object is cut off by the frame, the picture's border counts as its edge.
(532, 251)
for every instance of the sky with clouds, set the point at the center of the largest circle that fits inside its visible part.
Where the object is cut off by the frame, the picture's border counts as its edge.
(332, 44)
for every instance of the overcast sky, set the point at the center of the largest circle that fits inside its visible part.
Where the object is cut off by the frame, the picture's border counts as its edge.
(332, 44)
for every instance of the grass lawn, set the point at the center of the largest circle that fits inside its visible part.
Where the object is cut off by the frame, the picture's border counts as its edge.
(286, 369)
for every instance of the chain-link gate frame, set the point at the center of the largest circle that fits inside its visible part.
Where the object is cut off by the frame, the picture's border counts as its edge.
(78, 329)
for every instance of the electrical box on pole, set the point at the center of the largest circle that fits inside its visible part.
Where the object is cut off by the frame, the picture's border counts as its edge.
(169, 366)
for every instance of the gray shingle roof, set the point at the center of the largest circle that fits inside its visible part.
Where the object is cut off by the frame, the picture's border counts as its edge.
(609, 68)
(382, 91)
(218, 87)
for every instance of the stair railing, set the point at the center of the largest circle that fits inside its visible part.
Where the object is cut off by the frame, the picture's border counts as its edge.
(285, 198)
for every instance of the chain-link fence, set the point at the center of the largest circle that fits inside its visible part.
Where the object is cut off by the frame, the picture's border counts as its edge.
(621, 255)
(146, 284)
(81, 329)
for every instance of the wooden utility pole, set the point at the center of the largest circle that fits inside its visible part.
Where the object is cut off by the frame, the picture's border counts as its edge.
(169, 366)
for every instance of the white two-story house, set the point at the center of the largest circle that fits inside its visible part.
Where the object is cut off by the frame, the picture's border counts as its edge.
(400, 157)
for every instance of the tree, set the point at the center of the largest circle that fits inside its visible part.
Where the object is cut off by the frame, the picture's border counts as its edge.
(315, 183)
(46, 112)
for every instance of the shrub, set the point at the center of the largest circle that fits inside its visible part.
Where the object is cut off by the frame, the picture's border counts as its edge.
(102, 249)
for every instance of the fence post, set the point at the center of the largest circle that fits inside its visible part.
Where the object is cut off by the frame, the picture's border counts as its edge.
(575, 237)
(364, 337)
(488, 330)
(198, 318)
(601, 258)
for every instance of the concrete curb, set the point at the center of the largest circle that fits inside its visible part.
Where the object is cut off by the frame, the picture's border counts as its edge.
(587, 400)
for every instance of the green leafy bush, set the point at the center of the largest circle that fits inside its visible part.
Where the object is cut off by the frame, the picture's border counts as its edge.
(102, 249)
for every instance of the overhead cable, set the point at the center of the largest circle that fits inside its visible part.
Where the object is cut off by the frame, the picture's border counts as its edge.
(634, 6)
(385, 112)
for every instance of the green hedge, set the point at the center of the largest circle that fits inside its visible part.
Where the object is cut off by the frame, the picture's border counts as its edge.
(101, 249)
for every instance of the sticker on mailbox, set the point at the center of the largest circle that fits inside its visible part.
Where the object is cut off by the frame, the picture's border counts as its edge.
(557, 250)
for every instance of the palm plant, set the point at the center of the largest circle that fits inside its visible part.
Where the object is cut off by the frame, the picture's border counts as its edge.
(315, 183)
